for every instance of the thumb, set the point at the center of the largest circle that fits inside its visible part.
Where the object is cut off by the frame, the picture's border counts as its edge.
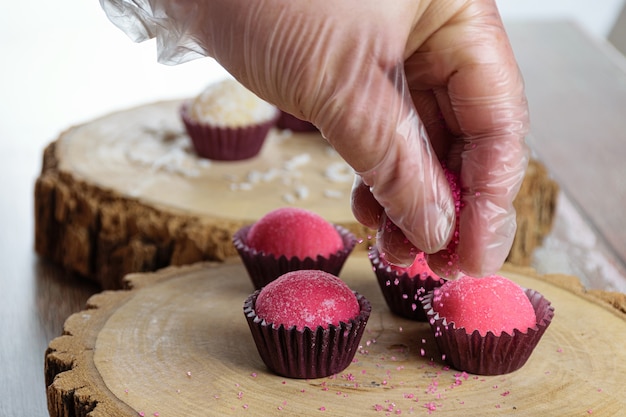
(377, 130)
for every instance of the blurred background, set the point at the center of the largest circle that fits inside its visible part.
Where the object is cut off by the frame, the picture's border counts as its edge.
(64, 63)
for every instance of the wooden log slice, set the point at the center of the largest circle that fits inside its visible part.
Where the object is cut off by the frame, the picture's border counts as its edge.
(177, 343)
(126, 193)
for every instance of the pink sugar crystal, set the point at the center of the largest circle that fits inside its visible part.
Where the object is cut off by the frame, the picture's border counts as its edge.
(291, 231)
(492, 303)
(307, 298)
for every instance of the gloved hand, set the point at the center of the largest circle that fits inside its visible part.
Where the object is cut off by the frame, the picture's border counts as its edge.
(396, 88)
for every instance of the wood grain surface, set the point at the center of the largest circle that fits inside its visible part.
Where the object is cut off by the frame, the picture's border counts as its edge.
(178, 344)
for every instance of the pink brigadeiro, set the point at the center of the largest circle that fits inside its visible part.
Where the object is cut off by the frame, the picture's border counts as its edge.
(307, 324)
(289, 239)
(487, 326)
(403, 288)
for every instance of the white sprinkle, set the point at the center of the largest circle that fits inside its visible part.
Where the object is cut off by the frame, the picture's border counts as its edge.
(271, 175)
(254, 176)
(302, 192)
(339, 172)
(333, 194)
(297, 161)
(204, 163)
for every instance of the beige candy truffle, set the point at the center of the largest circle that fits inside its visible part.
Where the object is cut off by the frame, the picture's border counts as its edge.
(228, 122)
(228, 103)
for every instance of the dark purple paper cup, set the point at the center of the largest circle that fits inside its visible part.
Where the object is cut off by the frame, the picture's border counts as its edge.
(264, 268)
(490, 354)
(307, 353)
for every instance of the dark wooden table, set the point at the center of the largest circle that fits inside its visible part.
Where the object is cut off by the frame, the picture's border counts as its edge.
(577, 92)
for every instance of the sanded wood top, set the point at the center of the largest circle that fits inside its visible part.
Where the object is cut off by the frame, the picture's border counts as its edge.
(178, 344)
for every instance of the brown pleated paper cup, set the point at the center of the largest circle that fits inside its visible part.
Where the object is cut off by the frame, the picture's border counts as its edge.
(264, 268)
(307, 353)
(490, 354)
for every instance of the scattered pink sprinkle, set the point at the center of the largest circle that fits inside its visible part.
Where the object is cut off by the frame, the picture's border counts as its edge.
(505, 393)
(126, 390)
(245, 406)
(322, 408)
(431, 406)
(589, 411)
(189, 373)
(559, 350)
(253, 375)
(155, 414)
(141, 414)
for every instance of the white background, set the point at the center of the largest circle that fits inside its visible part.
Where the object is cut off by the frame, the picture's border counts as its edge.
(63, 63)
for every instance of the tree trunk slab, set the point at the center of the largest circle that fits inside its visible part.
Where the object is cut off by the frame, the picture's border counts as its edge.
(177, 343)
(126, 193)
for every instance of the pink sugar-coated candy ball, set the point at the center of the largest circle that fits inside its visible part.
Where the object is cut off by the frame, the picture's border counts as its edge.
(492, 303)
(295, 232)
(418, 269)
(453, 267)
(307, 298)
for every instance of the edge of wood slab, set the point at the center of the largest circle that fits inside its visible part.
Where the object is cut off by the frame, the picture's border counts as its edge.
(103, 235)
(73, 385)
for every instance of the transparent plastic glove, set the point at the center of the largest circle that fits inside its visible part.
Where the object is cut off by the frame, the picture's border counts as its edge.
(395, 88)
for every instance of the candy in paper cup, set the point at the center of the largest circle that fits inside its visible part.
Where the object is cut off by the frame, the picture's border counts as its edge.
(263, 268)
(489, 354)
(307, 353)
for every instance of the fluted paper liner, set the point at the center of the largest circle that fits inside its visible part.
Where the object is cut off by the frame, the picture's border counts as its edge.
(402, 292)
(264, 268)
(489, 354)
(307, 353)
(291, 122)
(222, 143)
